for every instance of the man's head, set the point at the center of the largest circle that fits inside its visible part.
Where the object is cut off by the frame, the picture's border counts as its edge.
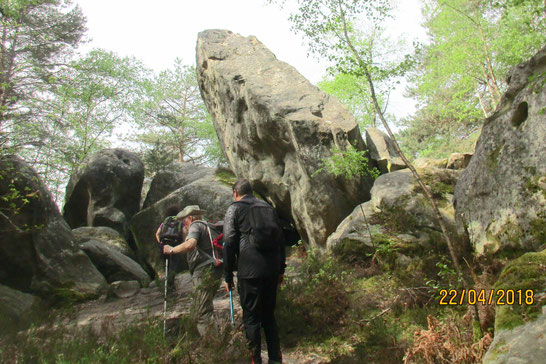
(241, 188)
(190, 214)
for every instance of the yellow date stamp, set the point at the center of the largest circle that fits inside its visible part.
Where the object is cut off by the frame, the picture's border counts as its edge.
(497, 297)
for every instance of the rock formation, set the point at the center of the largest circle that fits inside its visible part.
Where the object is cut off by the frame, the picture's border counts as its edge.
(382, 151)
(105, 235)
(520, 322)
(105, 191)
(275, 127)
(458, 160)
(207, 191)
(16, 307)
(501, 195)
(114, 265)
(398, 214)
(37, 251)
(172, 178)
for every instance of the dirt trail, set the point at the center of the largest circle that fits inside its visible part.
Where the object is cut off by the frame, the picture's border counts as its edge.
(113, 313)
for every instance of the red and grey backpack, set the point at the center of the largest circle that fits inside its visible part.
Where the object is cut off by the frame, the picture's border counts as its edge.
(216, 237)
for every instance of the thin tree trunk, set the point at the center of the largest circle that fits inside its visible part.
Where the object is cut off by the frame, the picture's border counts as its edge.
(482, 105)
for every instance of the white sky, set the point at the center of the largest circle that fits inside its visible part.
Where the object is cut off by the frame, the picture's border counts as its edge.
(157, 32)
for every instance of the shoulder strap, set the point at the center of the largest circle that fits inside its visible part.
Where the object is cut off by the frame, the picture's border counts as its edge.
(214, 257)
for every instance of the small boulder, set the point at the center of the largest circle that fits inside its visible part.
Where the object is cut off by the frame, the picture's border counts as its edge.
(382, 150)
(123, 289)
(524, 277)
(114, 265)
(105, 235)
(16, 307)
(523, 344)
(458, 160)
(423, 162)
(398, 221)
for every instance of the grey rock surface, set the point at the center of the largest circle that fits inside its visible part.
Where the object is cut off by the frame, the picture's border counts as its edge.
(105, 191)
(114, 265)
(123, 289)
(37, 249)
(522, 345)
(423, 162)
(458, 160)
(275, 128)
(176, 175)
(104, 234)
(501, 195)
(399, 212)
(382, 151)
(15, 307)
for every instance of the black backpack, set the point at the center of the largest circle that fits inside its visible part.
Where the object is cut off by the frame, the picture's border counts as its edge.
(264, 232)
(171, 229)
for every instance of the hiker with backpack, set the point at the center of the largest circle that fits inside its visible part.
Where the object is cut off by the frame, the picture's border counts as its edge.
(170, 232)
(254, 246)
(205, 268)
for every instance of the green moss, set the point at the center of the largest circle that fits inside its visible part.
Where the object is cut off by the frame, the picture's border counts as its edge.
(492, 161)
(525, 273)
(352, 251)
(226, 177)
(498, 350)
(66, 296)
(396, 219)
(533, 184)
(538, 229)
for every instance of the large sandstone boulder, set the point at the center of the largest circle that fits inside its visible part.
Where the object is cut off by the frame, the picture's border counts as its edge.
(37, 250)
(105, 235)
(501, 195)
(382, 150)
(114, 265)
(172, 178)
(105, 191)
(275, 128)
(16, 307)
(399, 218)
(208, 192)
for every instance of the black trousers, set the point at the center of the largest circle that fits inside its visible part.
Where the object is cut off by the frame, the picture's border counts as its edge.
(258, 299)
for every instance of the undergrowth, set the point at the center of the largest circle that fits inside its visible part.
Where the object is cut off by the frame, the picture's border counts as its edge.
(136, 343)
(362, 312)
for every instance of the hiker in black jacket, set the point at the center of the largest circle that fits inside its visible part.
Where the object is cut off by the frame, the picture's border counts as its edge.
(259, 273)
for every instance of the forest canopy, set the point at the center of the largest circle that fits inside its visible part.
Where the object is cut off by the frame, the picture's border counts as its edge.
(58, 105)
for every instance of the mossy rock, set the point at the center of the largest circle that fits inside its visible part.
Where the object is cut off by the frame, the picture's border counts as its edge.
(525, 273)
(353, 250)
(226, 176)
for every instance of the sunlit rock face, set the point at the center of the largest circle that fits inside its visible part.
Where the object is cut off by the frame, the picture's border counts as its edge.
(501, 195)
(275, 128)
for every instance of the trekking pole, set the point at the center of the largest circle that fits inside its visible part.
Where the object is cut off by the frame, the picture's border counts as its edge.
(231, 307)
(165, 300)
